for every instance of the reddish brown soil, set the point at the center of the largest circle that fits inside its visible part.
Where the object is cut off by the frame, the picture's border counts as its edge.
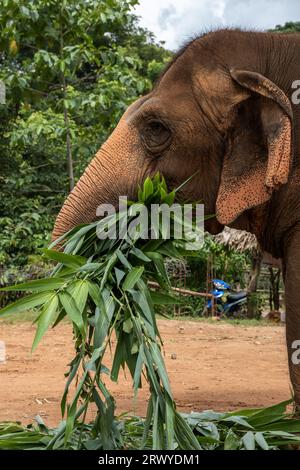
(211, 366)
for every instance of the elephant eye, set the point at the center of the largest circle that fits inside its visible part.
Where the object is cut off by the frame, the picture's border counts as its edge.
(156, 135)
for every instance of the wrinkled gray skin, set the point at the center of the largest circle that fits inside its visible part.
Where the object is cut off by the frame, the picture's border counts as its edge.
(223, 108)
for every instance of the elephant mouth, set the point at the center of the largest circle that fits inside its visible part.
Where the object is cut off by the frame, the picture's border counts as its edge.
(213, 226)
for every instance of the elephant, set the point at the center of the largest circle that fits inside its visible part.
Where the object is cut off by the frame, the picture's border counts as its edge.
(225, 108)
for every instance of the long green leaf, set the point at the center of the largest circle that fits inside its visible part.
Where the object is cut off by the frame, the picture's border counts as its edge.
(38, 285)
(132, 278)
(27, 303)
(169, 418)
(79, 291)
(249, 440)
(72, 310)
(261, 441)
(72, 261)
(232, 441)
(45, 319)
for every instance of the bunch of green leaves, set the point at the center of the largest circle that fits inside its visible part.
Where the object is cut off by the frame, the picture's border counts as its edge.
(101, 285)
(271, 428)
(268, 428)
(14, 436)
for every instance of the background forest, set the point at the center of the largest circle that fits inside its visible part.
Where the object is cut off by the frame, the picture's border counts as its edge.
(70, 70)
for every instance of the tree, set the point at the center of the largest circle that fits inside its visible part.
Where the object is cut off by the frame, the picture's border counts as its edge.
(55, 45)
(71, 67)
(289, 27)
(252, 296)
(274, 296)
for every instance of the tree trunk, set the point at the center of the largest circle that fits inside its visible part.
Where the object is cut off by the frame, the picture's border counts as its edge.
(252, 300)
(70, 169)
(68, 146)
(274, 288)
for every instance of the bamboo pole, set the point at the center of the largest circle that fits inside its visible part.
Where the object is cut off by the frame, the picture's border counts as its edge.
(182, 291)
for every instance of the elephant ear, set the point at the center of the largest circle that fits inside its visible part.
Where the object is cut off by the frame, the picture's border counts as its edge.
(259, 153)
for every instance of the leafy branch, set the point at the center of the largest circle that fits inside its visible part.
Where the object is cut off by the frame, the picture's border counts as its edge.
(101, 285)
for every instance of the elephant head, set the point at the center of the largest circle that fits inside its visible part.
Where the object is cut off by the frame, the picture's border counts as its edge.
(218, 109)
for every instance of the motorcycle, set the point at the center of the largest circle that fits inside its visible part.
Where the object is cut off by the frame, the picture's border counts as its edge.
(226, 301)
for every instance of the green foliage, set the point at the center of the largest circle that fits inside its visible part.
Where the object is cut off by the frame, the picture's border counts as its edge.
(228, 264)
(70, 68)
(289, 27)
(256, 429)
(100, 284)
(255, 303)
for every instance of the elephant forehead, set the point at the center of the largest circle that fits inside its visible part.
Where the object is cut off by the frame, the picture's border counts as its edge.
(134, 107)
(172, 105)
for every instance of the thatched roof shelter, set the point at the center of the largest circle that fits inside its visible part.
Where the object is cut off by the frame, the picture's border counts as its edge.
(238, 240)
(243, 241)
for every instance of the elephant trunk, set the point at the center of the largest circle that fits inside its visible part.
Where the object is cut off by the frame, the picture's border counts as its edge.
(94, 187)
(113, 172)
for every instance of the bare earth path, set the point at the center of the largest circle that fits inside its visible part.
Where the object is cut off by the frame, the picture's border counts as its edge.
(211, 366)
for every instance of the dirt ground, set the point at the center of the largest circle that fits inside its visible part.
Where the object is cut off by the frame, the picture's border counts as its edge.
(211, 366)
